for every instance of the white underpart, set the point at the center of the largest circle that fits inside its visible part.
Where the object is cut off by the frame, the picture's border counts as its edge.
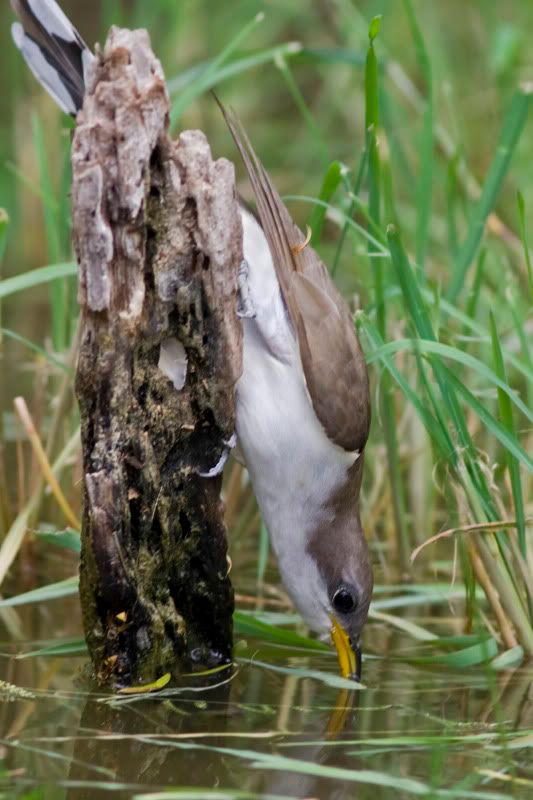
(291, 461)
(42, 70)
(173, 361)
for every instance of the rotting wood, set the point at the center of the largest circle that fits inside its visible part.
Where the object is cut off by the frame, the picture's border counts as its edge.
(159, 243)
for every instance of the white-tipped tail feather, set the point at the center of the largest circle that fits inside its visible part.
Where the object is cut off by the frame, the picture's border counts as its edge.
(54, 51)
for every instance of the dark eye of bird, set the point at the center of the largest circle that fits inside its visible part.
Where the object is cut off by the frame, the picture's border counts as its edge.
(344, 600)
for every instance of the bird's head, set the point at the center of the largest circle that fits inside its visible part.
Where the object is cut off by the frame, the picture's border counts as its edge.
(344, 583)
(349, 599)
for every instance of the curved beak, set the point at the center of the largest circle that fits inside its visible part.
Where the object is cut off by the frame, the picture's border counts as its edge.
(348, 653)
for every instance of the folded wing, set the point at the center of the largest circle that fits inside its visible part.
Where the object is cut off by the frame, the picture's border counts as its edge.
(332, 360)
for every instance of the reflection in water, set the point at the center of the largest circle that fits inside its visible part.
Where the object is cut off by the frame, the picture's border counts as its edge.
(263, 731)
(129, 740)
(148, 744)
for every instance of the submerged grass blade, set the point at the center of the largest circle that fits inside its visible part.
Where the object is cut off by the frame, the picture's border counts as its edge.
(327, 678)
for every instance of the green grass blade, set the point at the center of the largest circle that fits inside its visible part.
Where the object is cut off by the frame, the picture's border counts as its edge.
(414, 301)
(460, 357)
(263, 552)
(506, 416)
(57, 288)
(4, 226)
(468, 657)
(452, 182)
(417, 310)
(380, 250)
(69, 647)
(35, 349)
(36, 277)
(492, 424)
(247, 625)
(474, 294)
(54, 591)
(190, 91)
(523, 235)
(201, 78)
(388, 409)
(371, 125)
(356, 188)
(513, 126)
(68, 539)
(520, 325)
(330, 184)
(425, 181)
(434, 430)
(315, 135)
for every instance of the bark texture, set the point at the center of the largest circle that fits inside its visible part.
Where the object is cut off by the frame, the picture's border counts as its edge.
(159, 243)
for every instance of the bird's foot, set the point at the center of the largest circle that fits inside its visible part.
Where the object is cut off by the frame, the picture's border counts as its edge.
(245, 306)
(221, 463)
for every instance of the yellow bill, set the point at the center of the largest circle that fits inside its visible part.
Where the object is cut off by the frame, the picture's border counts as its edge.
(349, 657)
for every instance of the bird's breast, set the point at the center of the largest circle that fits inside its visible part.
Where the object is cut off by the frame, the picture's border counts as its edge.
(294, 467)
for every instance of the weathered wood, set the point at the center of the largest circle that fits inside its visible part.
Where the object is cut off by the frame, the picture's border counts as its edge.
(159, 243)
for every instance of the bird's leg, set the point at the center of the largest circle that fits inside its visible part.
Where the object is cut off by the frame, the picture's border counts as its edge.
(245, 307)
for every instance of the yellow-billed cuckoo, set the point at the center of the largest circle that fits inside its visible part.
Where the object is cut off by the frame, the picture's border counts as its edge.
(303, 409)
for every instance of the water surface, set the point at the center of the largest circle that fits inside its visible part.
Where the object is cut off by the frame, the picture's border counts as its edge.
(267, 727)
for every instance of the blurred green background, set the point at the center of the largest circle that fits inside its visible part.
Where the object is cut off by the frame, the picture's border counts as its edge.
(479, 50)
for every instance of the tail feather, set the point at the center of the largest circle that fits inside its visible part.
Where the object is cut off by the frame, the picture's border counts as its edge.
(54, 51)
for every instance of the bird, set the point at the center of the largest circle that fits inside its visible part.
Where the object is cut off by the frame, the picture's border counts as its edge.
(302, 402)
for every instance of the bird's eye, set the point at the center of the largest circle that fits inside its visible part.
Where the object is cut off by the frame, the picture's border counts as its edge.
(344, 600)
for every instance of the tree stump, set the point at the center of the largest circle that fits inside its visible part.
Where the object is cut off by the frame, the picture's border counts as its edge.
(158, 237)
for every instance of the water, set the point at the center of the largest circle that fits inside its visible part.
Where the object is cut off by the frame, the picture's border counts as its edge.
(270, 727)
(265, 729)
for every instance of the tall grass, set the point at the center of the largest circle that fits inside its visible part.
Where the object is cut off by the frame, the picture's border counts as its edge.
(438, 258)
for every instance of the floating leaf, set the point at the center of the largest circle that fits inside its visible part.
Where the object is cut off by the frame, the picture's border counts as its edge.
(147, 688)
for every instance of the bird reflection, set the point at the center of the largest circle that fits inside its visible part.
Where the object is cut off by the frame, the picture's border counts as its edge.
(189, 740)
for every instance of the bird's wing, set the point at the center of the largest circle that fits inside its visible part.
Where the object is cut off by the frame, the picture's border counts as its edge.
(332, 360)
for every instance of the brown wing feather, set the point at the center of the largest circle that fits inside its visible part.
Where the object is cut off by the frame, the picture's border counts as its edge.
(333, 364)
